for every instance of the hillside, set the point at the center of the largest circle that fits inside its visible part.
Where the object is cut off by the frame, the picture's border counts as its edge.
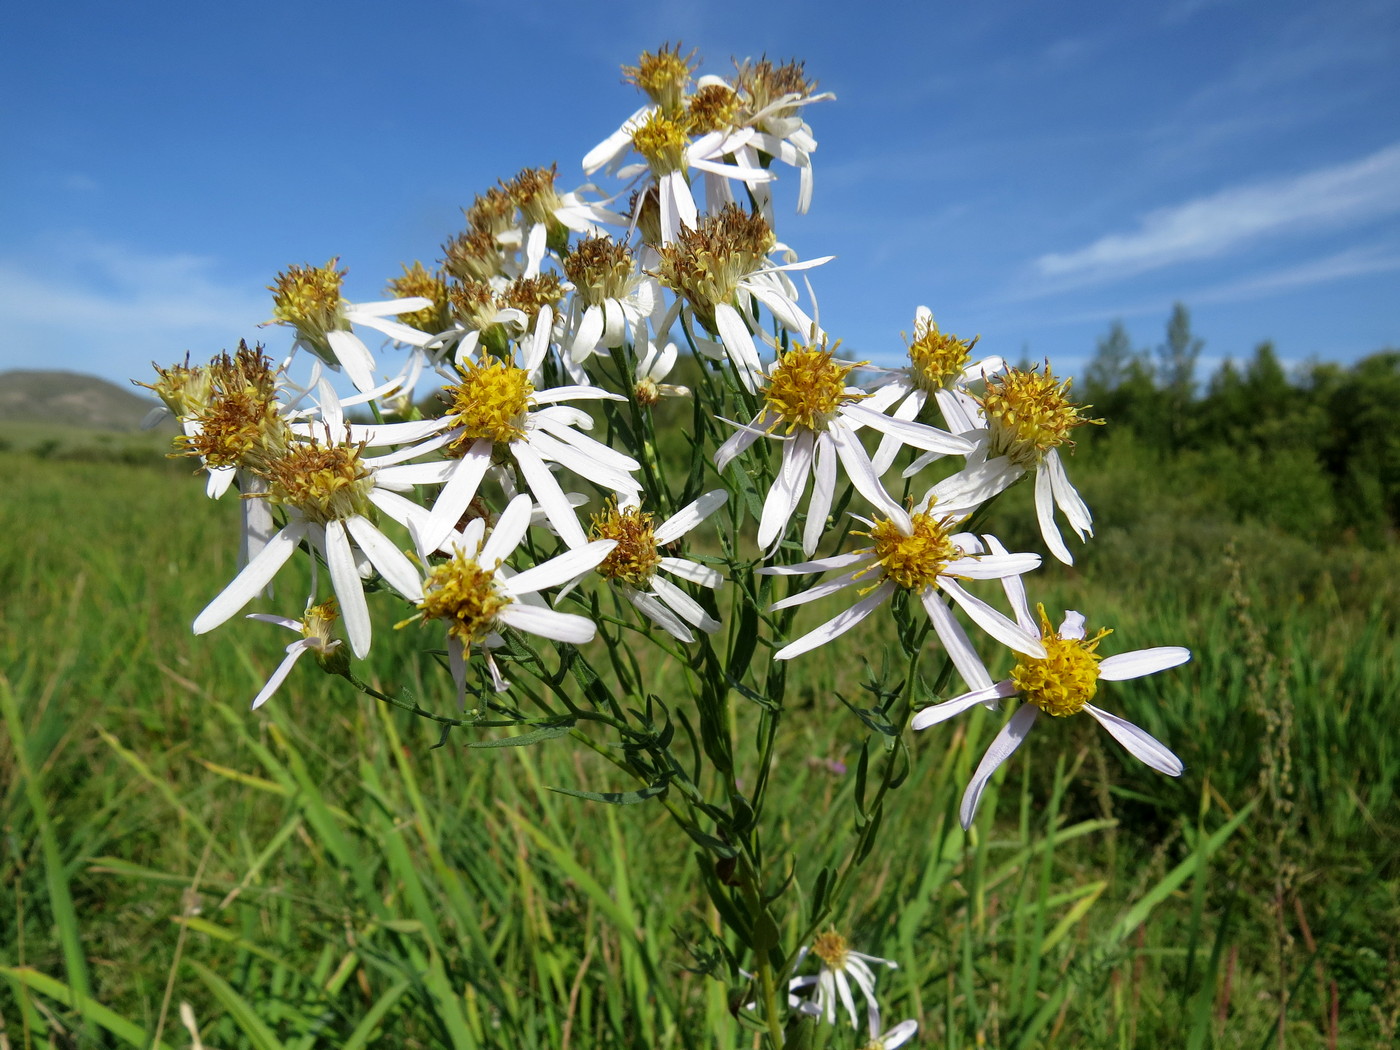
(69, 399)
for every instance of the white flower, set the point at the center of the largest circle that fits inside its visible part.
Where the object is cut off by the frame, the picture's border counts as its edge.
(654, 366)
(308, 298)
(636, 562)
(610, 294)
(1020, 424)
(315, 631)
(333, 496)
(895, 1037)
(939, 363)
(839, 967)
(496, 411)
(918, 552)
(1060, 684)
(806, 395)
(477, 595)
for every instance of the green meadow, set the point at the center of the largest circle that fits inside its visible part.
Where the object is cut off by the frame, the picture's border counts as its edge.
(178, 871)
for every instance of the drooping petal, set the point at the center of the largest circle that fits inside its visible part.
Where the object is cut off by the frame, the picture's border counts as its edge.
(955, 641)
(255, 576)
(998, 625)
(510, 529)
(1045, 514)
(456, 496)
(838, 624)
(353, 356)
(547, 623)
(1006, 742)
(349, 590)
(391, 562)
(275, 680)
(694, 572)
(1141, 745)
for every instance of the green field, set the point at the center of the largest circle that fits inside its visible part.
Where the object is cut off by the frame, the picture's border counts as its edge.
(317, 874)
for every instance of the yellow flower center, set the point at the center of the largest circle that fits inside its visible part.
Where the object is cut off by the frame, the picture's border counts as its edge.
(713, 107)
(419, 282)
(1067, 678)
(831, 948)
(913, 559)
(325, 482)
(1029, 415)
(492, 212)
(308, 298)
(664, 76)
(635, 558)
(184, 390)
(492, 401)
(464, 595)
(806, 387)
(599, 268)
(706, 264)
(662, 141)
(939, 358)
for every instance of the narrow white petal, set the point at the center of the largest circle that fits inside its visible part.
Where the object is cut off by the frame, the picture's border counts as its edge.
(220, 478)
(280, 621)
(1045, 514)
(349, 591)
(456, 495)
(1142, 745)
(1006, 742)
(1072, 626)
(737, 443)
(801, 568)
(1067, 498)
(1015, 589)
(823, 492)
(547, 623)
(992, 566)
(653, 609)
(932, 716)
(354, 357)
(550, 496)
(689, 516)
(837, 625)
(738, 342)
(782, 498)
(391, 562)
(955, 641)
(294, 653)
(509, 530)
(999, 626)
(562, 568)
(687, 607)
(899, 1035)
(916, 434)
(823, 590)
(255, 576)
(694, 572)
(863, 476)
(1141, 662)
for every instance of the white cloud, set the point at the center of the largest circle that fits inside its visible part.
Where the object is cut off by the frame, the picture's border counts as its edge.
(92, 306)
(1231, 219)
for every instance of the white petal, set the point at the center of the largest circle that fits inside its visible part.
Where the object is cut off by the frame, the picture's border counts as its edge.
(1142, 745)
(456, 496)
(992, 566)
(1072, 626)
(652, 608)
(349, 591)
(1015, 589)
(823, 590)
(1141, 662)
(916, 434)
(823, 492)
(1006, 742)
(782, 498)
(689, 516)
(998, 625)
(550, 496)
(354, 357)
(932, 716)
(255, 576)
(738, 342)
(955, 641)
(1067, 498)
(547, 623)
(1045, 514)
(837, 625)
(294, 653)
(562, 568)
(687, 607)
(509, 530)
(695, 573)
(836, 561)
(391, 562)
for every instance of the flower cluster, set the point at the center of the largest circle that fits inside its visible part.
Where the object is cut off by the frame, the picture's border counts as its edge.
(510, 476)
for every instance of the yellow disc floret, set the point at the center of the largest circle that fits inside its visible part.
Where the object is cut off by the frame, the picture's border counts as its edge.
(325, 482)
(635, 558)
(914, 559)
(806, 387)
(662, 141)
(1066, 679)
(240, 422)
(937, 358)
(491, 401)
(664, 76)
(308, 298)
(418, 282)
(832, 949)
(464, 595)
(1028, 414)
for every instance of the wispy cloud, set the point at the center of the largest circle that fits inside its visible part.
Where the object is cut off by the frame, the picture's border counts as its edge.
(1231, 219)
(105, 308)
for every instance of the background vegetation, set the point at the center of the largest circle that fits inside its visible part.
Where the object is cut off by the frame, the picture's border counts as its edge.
(319, 875)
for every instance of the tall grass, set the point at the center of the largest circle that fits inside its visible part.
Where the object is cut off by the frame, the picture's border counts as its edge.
(318, 874)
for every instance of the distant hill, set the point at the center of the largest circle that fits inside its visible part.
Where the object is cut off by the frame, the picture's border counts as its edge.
(71, 399)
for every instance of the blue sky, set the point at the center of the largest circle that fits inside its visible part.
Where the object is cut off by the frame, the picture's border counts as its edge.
(1028, 170)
